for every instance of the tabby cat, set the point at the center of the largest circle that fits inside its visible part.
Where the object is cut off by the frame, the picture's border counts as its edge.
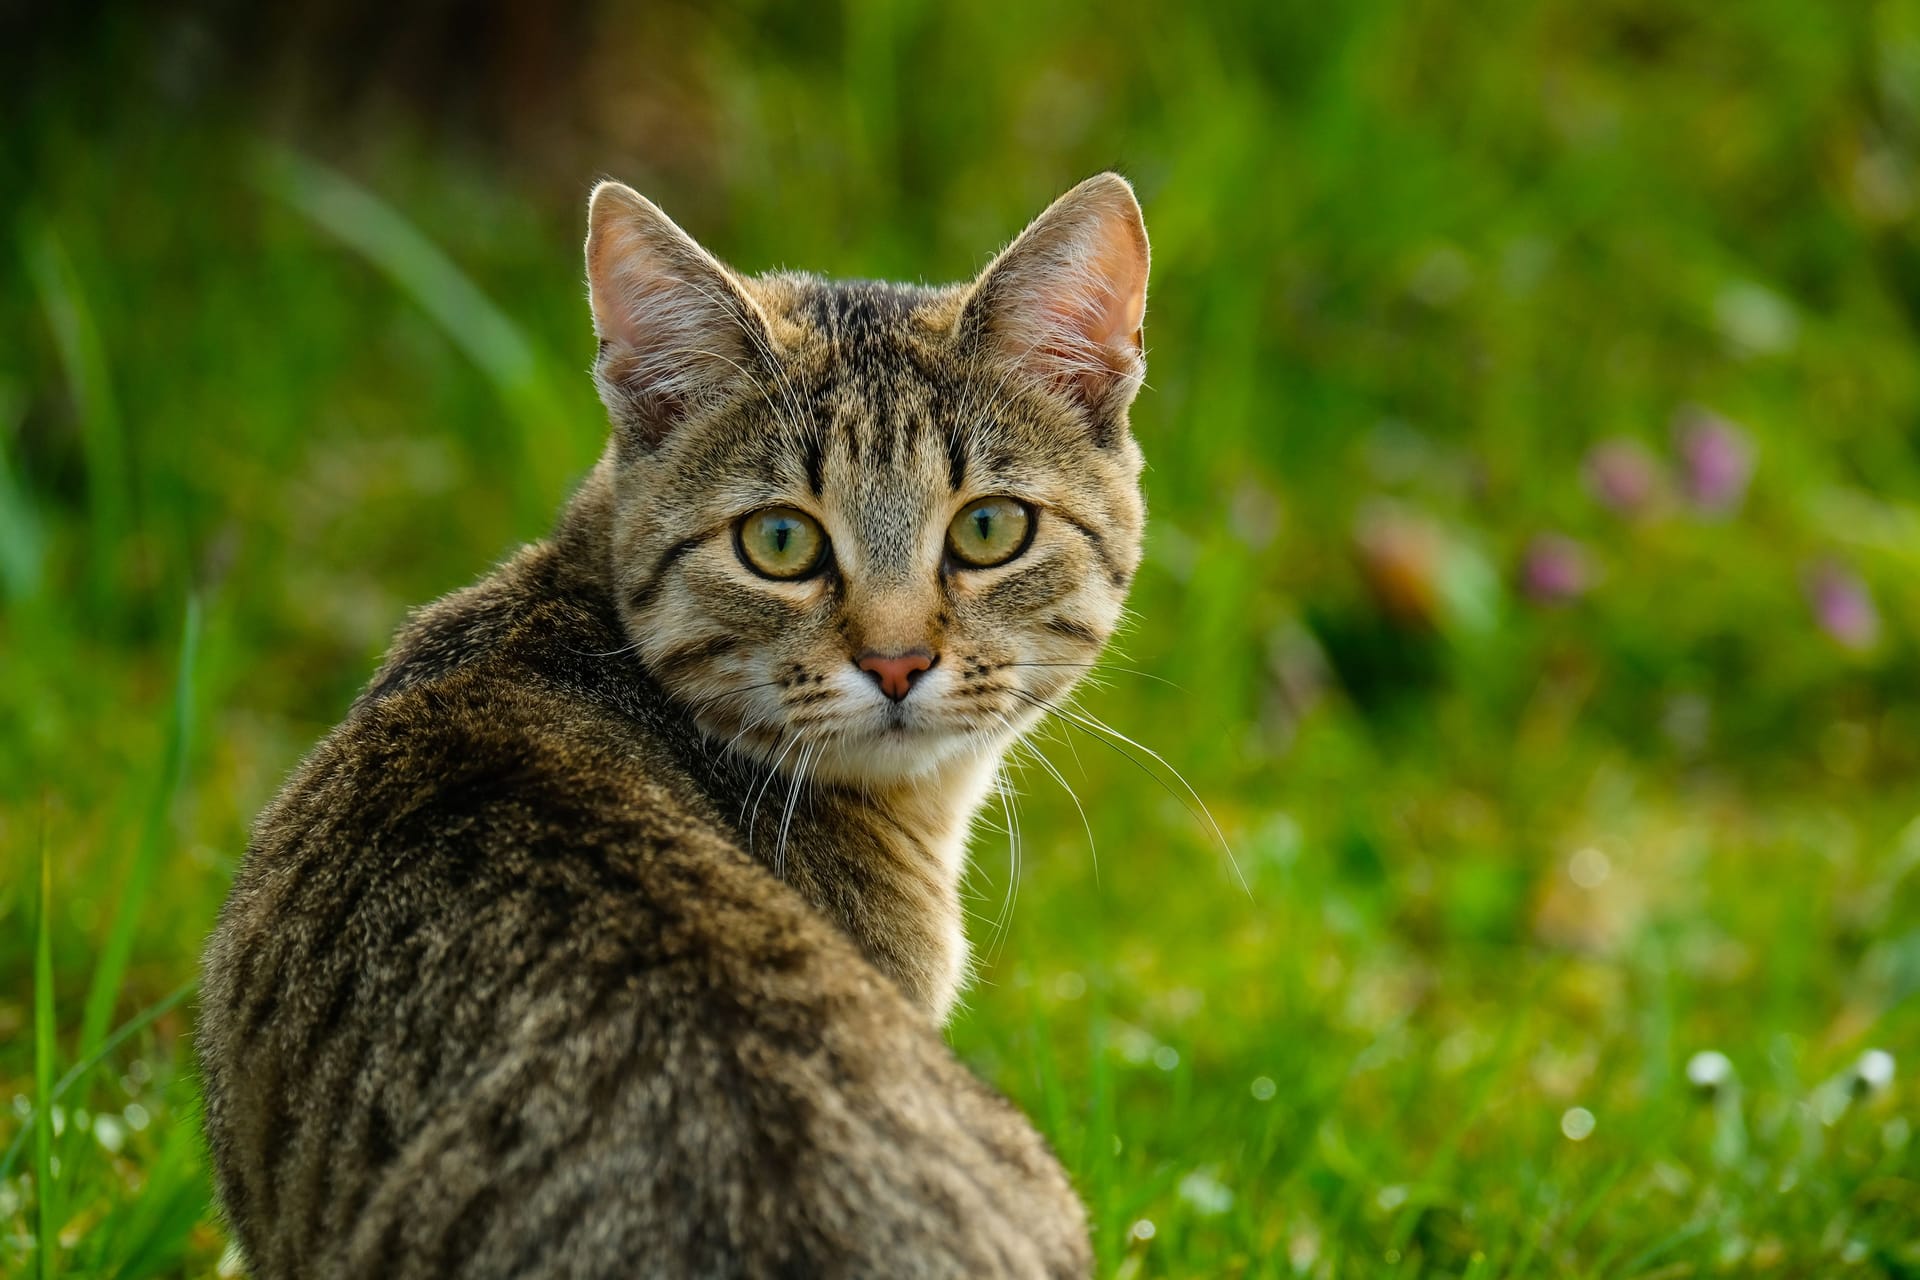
(612, 932)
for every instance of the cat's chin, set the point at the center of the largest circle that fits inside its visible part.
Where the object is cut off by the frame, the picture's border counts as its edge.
(885, 756)
(900, 755)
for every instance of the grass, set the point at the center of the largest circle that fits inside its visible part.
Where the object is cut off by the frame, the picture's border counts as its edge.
(43, 1050)
(1539, 791)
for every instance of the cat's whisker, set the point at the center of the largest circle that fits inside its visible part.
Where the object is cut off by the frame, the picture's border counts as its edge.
(786, 818)
(756, 725)
(1102, 668)
(747, 725)
(718, 696)
(604, 653)
(751, 725)
(773, 771)
(1003, 923)
(833, 738)
(1114, 739)
(1019, 847)
(1039, 758)
(1054, 731)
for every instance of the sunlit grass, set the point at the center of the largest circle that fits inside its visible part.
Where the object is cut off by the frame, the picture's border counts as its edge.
(134, 881)
(46, 1194)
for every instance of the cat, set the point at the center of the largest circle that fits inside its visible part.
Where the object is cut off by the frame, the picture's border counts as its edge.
(612, 932)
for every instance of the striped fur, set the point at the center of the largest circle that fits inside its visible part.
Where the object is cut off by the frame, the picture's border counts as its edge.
(610, 933)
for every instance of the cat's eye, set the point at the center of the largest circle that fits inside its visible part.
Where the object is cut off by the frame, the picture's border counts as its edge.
(990, 531)
(779, 542)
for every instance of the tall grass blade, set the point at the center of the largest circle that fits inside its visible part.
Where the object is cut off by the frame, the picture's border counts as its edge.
(150, 1237)
(84, 361)
(78, 1071)
(118, 947)
(468, 317)
(43, 1057)
(23, 543)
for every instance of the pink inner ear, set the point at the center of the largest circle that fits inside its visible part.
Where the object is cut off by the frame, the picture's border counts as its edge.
(667, 333)
(1077, 326)
(1117, 301)
(627, 278)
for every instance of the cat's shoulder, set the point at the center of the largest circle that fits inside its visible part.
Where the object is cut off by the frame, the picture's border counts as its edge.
(499, 688)
(477, 622)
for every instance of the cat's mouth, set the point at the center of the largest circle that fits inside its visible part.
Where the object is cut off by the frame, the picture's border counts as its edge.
(842, 728)
(902, 725)
(883, 745)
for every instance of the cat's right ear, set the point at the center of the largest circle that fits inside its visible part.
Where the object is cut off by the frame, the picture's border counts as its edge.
(1063, 304)
(676, 329)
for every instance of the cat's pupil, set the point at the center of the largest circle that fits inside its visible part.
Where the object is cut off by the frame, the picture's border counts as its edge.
(781, 533)
(984, 520)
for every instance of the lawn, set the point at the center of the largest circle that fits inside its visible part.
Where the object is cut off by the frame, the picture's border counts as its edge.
(1532, 594)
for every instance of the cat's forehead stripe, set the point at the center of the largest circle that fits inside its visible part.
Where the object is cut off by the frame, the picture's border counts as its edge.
(881, 394)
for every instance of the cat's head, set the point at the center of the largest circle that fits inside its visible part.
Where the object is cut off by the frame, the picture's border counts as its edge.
(863, 529)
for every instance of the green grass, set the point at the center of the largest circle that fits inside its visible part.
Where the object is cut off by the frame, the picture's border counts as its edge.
(272, 374)
(47, 1200)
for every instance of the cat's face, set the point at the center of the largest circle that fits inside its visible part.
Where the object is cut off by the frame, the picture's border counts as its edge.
(863, 529)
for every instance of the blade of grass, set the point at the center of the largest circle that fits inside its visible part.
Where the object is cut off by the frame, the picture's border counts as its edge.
(1439, 1171)
(152, 1234)
(1097, 1156)
(1595, 1195)
(22, 539)
(1666, 1244)
(497, 347)
(118, 947)
(78, 1071)
(43, 1057)
(83, 359)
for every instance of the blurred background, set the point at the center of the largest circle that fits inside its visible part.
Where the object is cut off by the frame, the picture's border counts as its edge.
(1534, 440)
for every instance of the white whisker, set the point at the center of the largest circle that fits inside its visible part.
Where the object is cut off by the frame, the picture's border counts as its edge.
(786, 818)
(1113, 738)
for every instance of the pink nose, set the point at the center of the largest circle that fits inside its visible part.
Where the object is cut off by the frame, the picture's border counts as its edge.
(895, 673)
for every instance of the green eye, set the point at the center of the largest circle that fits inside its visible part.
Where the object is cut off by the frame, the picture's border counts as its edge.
(990, 531)
(780, 542)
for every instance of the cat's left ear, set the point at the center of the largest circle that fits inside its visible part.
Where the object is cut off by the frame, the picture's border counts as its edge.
(1064, 303)
(676, 329)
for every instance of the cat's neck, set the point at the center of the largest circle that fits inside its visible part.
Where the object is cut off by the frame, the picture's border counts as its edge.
(941, 805)
(886, 865)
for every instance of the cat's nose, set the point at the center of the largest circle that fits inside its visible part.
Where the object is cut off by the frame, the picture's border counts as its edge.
(896, 672)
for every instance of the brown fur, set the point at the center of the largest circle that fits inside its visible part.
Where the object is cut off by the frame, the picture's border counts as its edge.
(610, 933)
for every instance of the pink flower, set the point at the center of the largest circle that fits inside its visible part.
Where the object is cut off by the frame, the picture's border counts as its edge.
(1555, 570)
(1623, 476)
(1716, 460)
(1842, 605)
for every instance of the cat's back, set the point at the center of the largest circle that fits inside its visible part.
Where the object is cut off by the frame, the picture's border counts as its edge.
(497, 993)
